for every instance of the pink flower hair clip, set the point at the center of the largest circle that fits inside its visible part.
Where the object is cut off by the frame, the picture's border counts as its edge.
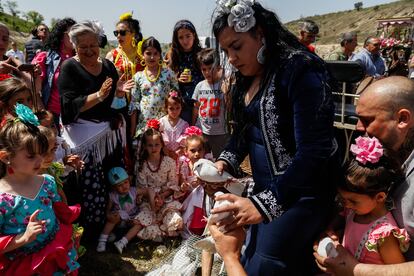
(173, 93)
(367, 149)
(193, 130)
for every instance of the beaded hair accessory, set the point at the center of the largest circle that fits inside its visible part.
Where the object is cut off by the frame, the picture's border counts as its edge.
(241, 13)
(153, 123)
(367, 149)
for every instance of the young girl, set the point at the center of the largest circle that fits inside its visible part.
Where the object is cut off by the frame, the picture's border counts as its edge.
(36, 229)
(371, 233)
(12, 91)
(193, 205)
(151, 87)
(182, 59)
(172, 126)
(157, 172)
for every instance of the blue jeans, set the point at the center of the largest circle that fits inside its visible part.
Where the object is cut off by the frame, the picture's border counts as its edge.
(284, 246)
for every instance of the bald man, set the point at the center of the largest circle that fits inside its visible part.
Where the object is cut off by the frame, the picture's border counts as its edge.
(386, 111)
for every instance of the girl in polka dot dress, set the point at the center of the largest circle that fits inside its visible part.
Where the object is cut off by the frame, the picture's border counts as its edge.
(36, 234)
(157, 172)
(371, 233)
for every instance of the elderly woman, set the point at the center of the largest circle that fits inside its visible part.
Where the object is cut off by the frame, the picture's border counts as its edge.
(88, 83)
(58, 49)
(282, 106)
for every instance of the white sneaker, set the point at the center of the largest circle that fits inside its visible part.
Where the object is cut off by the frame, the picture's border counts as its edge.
(120, 245)
(112, 237)
(101, 246)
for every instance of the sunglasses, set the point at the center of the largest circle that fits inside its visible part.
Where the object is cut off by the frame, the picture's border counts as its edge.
(120, 32)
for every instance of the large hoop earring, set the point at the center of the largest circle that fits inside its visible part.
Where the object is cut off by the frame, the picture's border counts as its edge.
(134, 42)
(261, 53)
(160, 62)
(142, 62)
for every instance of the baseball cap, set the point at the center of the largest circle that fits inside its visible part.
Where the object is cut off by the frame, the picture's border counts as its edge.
(117, 175)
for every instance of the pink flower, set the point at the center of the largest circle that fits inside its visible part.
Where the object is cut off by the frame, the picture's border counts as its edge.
(173, 93)
(367, 149)
(193, 130)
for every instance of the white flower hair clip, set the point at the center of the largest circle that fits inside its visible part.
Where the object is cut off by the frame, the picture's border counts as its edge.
(241, 13)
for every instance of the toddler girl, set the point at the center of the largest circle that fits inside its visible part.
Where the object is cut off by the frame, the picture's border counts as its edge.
(157, 172)
(193, 212)
(172, 126)
(152, 86)
(36, 230)
(371, 233)
(182, 59)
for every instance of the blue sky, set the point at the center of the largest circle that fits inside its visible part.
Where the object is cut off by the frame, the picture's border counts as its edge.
(157, 17)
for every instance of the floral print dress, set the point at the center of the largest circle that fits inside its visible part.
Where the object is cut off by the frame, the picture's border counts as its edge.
(53, 251)
(148, 97)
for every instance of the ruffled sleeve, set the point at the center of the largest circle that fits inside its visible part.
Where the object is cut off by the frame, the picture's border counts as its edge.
(51, 187)
(384, 230)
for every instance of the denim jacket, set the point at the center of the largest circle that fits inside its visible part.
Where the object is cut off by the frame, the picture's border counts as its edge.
(296, 121)
(52, 63)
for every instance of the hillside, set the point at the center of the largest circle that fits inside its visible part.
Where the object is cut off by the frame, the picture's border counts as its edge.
(19, 28)
(363, 21)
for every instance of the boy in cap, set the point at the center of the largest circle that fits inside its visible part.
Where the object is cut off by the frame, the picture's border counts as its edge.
(121, 209)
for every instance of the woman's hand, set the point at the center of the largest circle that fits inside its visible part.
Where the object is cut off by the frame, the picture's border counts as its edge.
(221, 166)
(74, 161)
(34, 227)
(105, 89)
(243, 209)
(6, 67)
(184, 77)
(123, 86)
(228, 244)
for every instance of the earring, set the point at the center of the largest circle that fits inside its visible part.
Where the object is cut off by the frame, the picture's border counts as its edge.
(160, 62)
(143, 63)
(9, 169)
(261, 53)
(134, 42)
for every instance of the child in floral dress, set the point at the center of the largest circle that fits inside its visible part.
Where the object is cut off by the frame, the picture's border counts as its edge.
(152, 86)
(157, 172)
(35, 225)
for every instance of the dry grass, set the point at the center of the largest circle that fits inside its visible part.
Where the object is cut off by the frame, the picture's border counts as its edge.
(138, 258)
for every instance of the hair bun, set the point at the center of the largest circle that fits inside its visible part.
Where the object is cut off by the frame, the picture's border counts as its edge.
(125, 16)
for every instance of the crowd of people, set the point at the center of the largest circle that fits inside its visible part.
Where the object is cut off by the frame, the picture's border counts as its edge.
(261, 93)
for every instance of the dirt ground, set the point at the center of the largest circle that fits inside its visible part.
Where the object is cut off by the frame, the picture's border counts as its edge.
(139, 258)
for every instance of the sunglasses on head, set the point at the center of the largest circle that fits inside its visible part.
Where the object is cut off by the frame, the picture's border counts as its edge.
(120, 32)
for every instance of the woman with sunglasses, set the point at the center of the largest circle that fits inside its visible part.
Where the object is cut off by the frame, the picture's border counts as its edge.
(126, 57)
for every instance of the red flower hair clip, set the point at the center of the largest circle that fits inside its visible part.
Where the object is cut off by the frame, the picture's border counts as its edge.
(367, 149)
(153, 123)
(5, 77)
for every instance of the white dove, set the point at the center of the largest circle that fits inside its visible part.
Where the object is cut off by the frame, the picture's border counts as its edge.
(206, 170)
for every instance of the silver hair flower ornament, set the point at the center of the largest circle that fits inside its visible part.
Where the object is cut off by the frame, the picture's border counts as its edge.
(241, 13)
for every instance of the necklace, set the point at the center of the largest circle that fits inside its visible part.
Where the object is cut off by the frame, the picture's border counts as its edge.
(156, 77)
(157, 168)
(129, 64)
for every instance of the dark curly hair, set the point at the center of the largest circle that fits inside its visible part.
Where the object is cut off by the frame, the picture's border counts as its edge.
(55, 38)
(133, 26)
(175, 51)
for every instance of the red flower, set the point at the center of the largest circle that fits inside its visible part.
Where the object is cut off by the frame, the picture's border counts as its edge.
(153, 123)
(5, 76)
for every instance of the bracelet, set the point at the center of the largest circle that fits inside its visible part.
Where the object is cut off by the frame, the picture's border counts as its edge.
(99, 97)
